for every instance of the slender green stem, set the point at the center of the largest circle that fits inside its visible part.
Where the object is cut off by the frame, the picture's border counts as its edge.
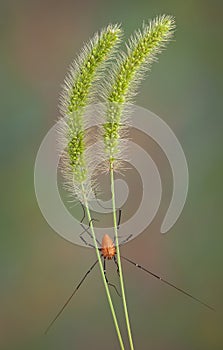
(102, 271)
(119, 259)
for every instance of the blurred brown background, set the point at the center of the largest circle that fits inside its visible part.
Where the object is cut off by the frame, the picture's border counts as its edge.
(38, 269)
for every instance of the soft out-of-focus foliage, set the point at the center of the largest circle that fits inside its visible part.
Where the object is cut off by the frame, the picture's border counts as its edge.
(38, 269)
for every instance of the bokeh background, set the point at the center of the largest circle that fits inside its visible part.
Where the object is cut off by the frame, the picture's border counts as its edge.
(38, 269)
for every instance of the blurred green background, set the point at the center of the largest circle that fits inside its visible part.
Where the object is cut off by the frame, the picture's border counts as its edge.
(38, 269)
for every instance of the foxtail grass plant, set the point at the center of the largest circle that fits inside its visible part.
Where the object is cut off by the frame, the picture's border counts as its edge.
(118, 88)
(77, 94)
(124, 79)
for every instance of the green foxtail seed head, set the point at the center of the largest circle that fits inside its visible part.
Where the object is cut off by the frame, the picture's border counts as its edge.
(127, 74)
(77, 94)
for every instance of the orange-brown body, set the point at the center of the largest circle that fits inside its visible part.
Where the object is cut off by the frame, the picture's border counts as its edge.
(108, 249)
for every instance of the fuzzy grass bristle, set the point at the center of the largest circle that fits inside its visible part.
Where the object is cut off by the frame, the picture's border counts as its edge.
(142, 49)
(78, 88)
(77, 93)
(127, 74)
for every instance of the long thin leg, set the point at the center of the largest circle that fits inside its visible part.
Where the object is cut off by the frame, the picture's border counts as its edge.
(119, 218)
(126, 239)
(118, 222)
(84, 240)
(83, 212)
(82, 225)
(116, 263)
(89, 233)
(87, 229)
(78, 286)
(81, 221)
(119, 212)
(118, 226)
(110, 284)
(169, 284)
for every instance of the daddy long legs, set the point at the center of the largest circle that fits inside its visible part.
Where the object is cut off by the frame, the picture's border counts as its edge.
(108, 252)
